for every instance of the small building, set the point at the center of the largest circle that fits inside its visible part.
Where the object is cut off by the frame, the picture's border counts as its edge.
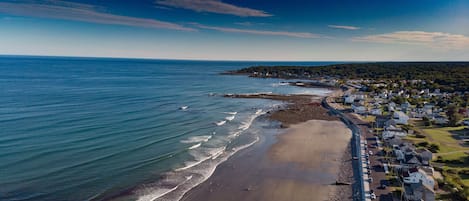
(400, 117)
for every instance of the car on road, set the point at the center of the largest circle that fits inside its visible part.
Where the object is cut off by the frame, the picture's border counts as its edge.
(370, 152)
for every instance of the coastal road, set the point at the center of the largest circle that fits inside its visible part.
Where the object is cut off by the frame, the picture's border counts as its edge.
(359, 187)
(376, 160)
(377, 171)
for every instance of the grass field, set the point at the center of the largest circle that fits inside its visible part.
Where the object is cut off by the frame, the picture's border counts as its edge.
(453, 155)
(450, 147)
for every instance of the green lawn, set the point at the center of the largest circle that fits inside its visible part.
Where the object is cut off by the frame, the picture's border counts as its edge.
(452, 152)
(444, 139)
(465, 179)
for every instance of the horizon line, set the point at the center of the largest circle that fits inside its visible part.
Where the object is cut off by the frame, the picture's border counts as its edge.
(215, 60)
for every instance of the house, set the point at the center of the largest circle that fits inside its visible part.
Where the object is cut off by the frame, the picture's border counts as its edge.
(349, 99)
(428, 108)
(418, 185)
(441, 120)
(381, 120)
(376, 111)
(425, 156)
(392, 131)
(400, 117)
(358, 108)
(405, 106)
(391, 106)
(418, 192)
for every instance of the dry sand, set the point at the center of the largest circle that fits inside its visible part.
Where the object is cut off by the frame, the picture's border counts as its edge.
(313, 144)
(300, 164)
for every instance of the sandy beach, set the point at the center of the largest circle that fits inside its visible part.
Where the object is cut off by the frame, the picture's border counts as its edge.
(301, 162)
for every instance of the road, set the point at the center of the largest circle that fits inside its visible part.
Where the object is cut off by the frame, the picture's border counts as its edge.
(363, 133)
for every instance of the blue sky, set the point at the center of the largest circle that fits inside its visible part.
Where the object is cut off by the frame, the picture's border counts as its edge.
(309, 30)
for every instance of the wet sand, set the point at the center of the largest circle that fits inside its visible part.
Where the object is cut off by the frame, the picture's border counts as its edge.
(298, 163)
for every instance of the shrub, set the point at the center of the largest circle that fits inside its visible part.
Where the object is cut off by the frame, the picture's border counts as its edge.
(434, 148)
(418, 135)
(423, 144)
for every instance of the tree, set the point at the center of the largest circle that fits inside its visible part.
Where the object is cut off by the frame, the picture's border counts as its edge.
(427, 121)
(453, 116)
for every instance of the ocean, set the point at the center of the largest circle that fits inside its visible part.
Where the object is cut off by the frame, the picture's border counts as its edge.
(123, 129)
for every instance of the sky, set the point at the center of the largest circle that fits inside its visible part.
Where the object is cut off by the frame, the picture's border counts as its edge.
(269, 30)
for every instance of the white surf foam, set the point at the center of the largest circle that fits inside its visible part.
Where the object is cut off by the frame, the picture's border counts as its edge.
(246, 124)
(198, 171)
(216, 152)
(230, 118)
(184, 107)
(220, 123)
(196, 139)
(232, 113)
(151, 194)
(195, 146)
(190, 164)
(155, 193)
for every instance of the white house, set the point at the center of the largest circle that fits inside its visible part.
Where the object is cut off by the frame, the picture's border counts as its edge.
(391, 106)
(392, 131)
(405, 106)
(440, 120)
(358, 108)
(400, 117)
(376, 111)
(349, 99)
(420, 176)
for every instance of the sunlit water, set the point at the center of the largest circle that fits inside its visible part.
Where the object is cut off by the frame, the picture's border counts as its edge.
(83, 129)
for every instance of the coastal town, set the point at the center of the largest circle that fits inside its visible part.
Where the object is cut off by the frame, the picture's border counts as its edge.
(413, 135)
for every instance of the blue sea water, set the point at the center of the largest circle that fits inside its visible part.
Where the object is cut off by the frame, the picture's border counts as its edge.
(93, 129)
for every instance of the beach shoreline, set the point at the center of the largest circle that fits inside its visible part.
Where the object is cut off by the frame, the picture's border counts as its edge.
(301, 160)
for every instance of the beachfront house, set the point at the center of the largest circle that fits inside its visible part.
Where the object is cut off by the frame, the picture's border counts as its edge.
(400, 117)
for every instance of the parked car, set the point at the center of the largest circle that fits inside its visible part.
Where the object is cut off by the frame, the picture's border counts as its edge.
(373, 196)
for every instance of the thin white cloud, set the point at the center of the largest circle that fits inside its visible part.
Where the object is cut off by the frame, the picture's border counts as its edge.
(80, 12)
(214, 6)
(343, 27)
(259, 32)
(431, 39)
